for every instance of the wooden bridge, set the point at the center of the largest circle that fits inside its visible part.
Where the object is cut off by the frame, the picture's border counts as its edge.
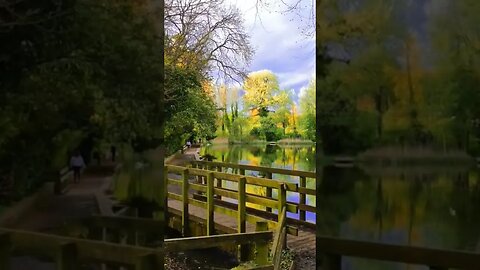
(216, 195)
(116, 239)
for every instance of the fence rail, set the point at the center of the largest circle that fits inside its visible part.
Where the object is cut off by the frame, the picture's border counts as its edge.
(301, 189)
(240, 195)
(68, 252)
(334, 248)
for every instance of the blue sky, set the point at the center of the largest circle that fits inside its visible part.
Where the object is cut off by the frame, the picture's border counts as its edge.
(280, 43)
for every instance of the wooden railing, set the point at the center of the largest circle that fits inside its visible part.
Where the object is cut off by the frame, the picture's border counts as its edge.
(206, 186)
(65, 176)
(279, 242)
(268, 172)
(136, 231)
(334, 248)
(68, 252)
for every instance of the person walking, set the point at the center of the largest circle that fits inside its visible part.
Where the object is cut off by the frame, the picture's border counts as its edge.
(77, 164)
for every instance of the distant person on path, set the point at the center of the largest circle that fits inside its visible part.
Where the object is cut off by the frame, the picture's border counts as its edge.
(113, 151)
(189, 144)
(76, 163)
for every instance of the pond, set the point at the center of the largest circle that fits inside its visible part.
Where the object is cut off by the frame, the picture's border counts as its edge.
(431, 206)
(290, 157)
(421, 206)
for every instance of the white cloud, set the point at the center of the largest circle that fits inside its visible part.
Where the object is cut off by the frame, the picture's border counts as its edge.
(279, 43)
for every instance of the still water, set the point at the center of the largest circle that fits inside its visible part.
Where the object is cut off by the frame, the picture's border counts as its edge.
(432, 206)
(300, 158)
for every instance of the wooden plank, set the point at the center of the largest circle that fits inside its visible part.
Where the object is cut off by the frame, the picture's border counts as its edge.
(259, 168)
(243, 250)
(40, 244)
(307, 191)
(277, 259)
(256, 199)
(307, 208)
(185, 215)
(398, 253)
(268, 192)
(262, 247)
(175, 196)
(303, 197)
(241, 212)
(174, 182)
(210, 205)
(201, 242)
(227, 209)
(270, 183)
(104, 204)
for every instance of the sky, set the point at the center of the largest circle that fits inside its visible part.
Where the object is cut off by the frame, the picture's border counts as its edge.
(280, 42)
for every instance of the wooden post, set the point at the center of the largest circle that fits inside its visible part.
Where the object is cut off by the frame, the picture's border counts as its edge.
(67, 257)
(262, 247)
(282, 203)
(185, 214)
(219, 181)
(5, 250)
(303, 197)
(210, 205)
(241, 217)
(332, 262)
(269, 191)
(242, 171)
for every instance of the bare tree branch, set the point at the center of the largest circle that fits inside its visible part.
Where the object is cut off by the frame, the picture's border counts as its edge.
(207, 35)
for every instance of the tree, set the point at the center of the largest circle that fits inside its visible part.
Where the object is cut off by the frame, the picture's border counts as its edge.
(283, 109)
(96, 62)
(262, 91)
(207, 35)
(308, 112)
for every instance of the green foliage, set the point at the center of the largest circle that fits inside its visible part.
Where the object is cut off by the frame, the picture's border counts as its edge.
(92, 72)
(307, 123)
(189, 110)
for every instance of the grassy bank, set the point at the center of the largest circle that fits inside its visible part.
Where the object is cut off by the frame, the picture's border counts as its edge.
(413, 156)
(254, 141)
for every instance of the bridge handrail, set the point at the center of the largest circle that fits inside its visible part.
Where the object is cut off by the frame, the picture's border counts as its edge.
(240, 195)
(200, 242)
(67, 252)
(301, 187)
(334, 248)
(257, 168)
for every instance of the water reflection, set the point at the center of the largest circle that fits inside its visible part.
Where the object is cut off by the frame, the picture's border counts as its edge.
(422, 206)
(287, 157)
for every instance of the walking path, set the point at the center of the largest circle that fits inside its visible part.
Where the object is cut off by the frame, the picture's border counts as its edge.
(77, 202)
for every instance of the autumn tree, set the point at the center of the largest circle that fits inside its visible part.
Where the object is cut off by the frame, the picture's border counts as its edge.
(262, 91)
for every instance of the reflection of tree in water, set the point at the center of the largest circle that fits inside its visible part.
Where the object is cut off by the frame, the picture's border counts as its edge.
(415, 190)
(336, 201)
(380, 207)
(269, 155)
(465, 205)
